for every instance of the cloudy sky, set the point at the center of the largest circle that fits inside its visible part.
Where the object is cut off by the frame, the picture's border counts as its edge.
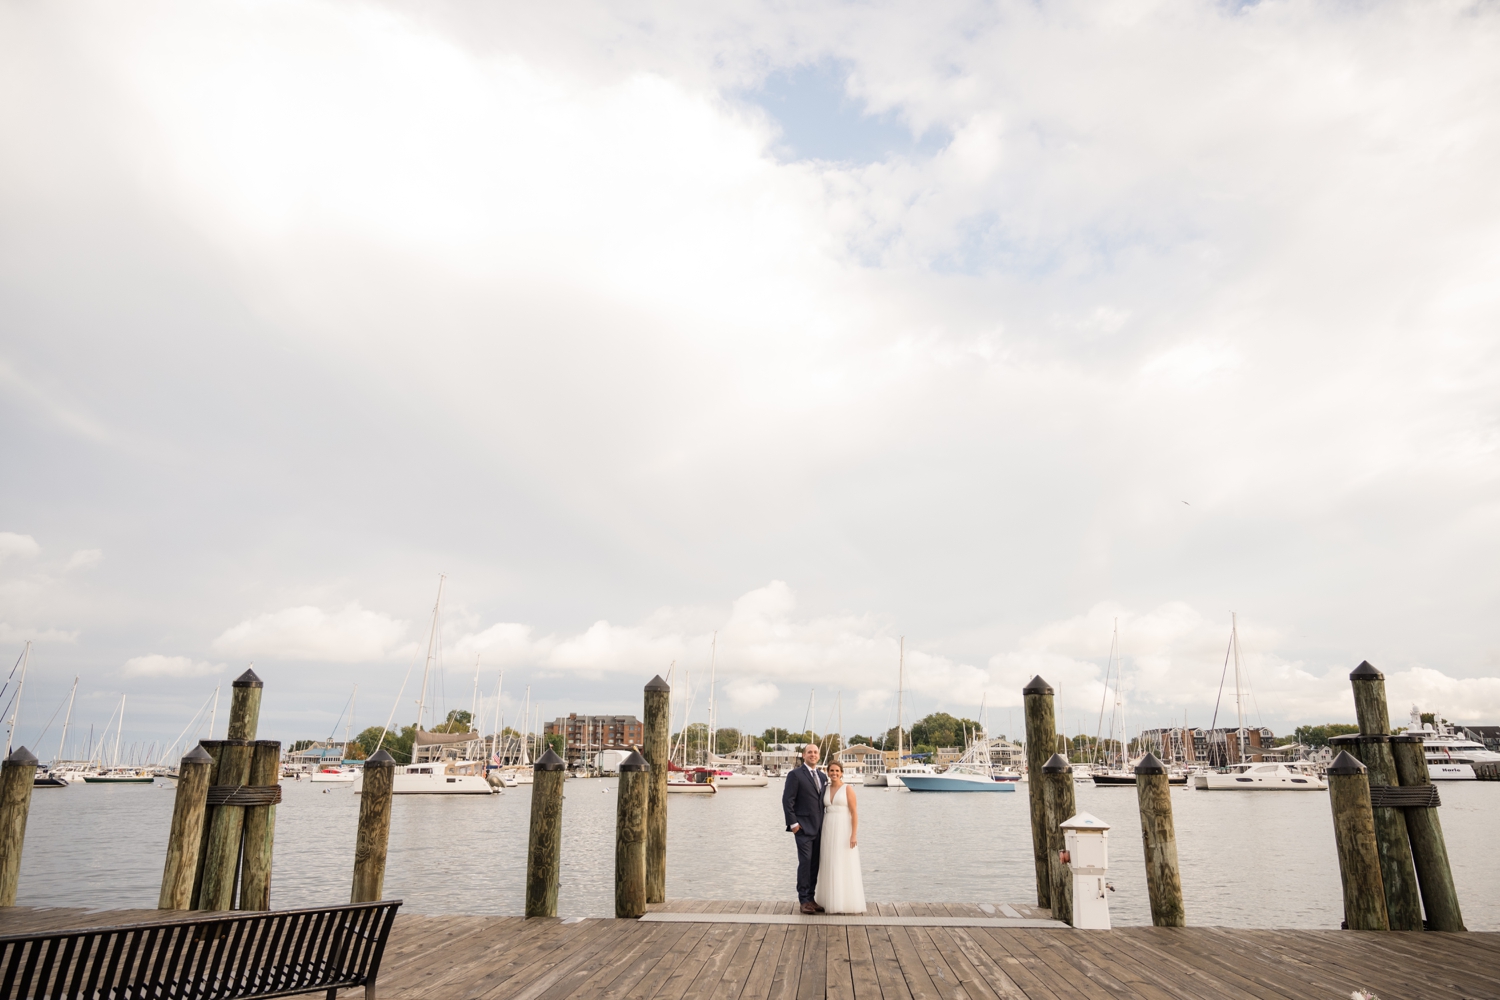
(988, 325)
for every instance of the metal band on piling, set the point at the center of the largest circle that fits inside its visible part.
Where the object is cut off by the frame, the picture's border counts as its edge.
(544, 849)
(1159, 838)
(185, 840)
(1041, 728)
(630, 836)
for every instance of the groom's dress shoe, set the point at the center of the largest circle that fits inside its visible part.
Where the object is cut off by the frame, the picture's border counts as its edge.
(810, 908)
(818, 908)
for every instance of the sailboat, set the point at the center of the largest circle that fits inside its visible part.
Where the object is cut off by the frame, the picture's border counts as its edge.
(116, 774)
(48, 779)
(441, 763)
(339, 774)
(894, 777)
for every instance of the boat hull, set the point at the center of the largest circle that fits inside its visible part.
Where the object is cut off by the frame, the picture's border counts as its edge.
(1450, 771)
(334, 778)
(955, 783)
(102, 779)
(1253, 783)
(48, 781)
(691, 788)
(1119, 779)
(742, 781)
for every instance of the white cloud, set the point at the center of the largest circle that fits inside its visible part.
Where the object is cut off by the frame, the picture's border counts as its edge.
(156, 665)
(350, 635)
(14, 546)
(746, 695)
(13, 633)
(85, 559)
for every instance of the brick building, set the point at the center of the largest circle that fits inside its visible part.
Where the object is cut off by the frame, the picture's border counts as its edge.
(593, 733)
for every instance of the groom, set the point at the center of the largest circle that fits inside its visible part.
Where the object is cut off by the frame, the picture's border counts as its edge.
(802, 801)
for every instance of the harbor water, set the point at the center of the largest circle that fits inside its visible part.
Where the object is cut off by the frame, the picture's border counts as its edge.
(1258, 859)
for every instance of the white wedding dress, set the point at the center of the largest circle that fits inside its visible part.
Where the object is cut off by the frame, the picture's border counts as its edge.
(841, 887)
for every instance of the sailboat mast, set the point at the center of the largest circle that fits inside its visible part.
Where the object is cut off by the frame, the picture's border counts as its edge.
(900, 692)
(69, 718)
(213, 719)
(713, 715)
(119, 729)
(20, 689)
(353, 704)
(427, 666)
(474, 702)
(1239, 709)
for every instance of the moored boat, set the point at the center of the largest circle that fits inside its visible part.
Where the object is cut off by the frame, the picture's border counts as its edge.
(1253, 777)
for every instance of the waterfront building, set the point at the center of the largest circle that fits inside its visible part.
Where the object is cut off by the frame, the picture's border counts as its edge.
(779, 758)
(1488, 735)
(1006, 755)
(316, 756)
(585, 735)
(861, 759)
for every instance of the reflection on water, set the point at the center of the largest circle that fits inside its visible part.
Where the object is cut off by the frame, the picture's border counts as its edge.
(1248, 860)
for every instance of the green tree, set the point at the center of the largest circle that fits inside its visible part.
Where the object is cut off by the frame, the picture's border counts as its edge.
(942, 730)
(1318, 736)
(398, 745)
(457, 722)
(557, 743)
(787, 736)
(726, 741)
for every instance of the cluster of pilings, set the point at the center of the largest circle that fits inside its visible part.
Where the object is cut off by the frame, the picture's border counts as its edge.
(640, 820)
(1052, 803)
(1392, 859)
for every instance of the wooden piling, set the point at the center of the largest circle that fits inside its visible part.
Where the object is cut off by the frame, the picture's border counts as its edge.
(630, 836)
(1354, 835)
(1429, 852)
(1041, 730)
(222, 862)
(1159, 837)
(1403, 901)
(1059, 807)
(244, 706)
(1369, 700)
(215, 750)
(544, 848)
(1403, 904)
(374, 834)
(185, 841)
(17, 778)
(657, 720)
(260, 828)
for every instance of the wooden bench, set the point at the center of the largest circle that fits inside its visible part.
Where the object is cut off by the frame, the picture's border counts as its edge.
(203, 956)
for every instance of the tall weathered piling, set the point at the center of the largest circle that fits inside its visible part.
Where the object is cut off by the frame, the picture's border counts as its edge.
(185, 840)
(1058, 807)
(260, 825)
(374, 834)
(1429, 852)
(544, 849)
(17, 778)
(1354, 835)
(1372, 746)
(1041, 729)
(215, 751)
(657, 723)
(1159, 837)
(244, 706)
(630, 836)
(222, 862)
(222, 855)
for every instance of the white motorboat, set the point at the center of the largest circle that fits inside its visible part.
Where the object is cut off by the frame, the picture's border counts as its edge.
(442, 777)
(336, 775)
(739, 779)
(1253, 777)
(953, 780)
(691, 787)
(1450, 756)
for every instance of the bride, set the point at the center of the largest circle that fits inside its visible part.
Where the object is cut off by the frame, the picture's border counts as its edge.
(841, 888)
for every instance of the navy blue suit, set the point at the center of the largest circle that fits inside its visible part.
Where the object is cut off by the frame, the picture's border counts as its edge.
(802, 801)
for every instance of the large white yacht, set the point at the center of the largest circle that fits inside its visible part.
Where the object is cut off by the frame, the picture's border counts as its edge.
(1251, 777)
(1450, 756)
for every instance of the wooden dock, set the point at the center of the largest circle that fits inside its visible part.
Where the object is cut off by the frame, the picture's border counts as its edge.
(696, 950)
